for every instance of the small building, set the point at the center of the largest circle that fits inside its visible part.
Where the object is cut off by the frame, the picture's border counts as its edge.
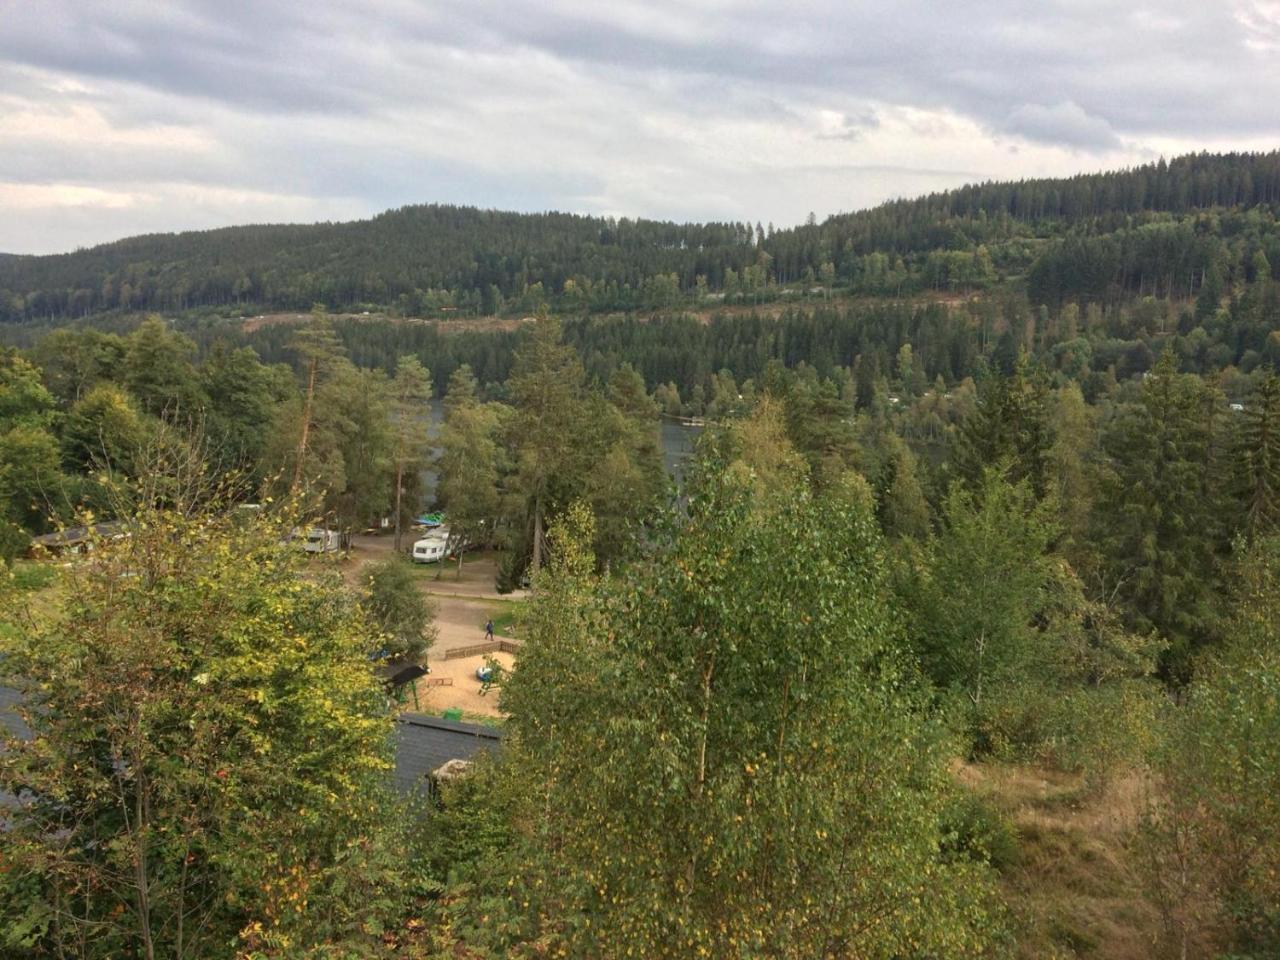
(425, 743)
(75, 540)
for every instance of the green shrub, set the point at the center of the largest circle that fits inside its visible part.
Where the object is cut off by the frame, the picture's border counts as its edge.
(973, 829)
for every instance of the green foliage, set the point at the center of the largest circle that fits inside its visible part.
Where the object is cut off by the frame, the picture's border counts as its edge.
(566, 441)
(30, 576)
(1009, 426)
(820, 426)
(1257, 460)
(23, 399)
(546, 389)
(210, 753)
(106, 431)
(14, 541)
(399, 608)
(1213, 837)
(410, 398)
(1085, 238)
(1160, 490)
(467, 484)
(158, 370)
(243, 394)
(30, 476)
(471, 826)
(759, 451)
(901, 504)
(973, 829)
(984, 584)
(730, 759)
(72, 361)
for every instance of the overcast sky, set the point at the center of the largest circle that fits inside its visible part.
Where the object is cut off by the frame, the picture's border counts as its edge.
(127, 116)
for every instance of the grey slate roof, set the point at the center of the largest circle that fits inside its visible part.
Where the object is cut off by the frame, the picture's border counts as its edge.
(424, 743)
(72, 536)
(11, 725)
(10, 722)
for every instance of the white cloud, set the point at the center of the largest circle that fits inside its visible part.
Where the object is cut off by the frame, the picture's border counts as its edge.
(40, 196)
(206, 112)
(1261, 19)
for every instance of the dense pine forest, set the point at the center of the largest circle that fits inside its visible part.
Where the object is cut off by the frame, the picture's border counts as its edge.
(1164, 230)
(958, 638)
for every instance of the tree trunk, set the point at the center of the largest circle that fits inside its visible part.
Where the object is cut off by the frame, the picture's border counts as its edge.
(536, 563)
(691, 869)
(306, 423)
(399, 491)
(140, 870)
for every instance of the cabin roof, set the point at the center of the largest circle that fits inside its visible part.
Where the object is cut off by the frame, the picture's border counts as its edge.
(425, 743)
(72, 536)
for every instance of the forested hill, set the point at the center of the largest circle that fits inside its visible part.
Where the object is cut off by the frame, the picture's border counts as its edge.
(1158, 229)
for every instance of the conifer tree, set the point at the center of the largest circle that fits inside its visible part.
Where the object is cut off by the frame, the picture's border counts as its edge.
(546, 389)
(467, 467)
(1158, 520)
(1010, 426)
(411, 395)
(1257, 460)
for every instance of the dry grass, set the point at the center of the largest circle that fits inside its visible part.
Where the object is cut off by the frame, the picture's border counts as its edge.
(1075, 888)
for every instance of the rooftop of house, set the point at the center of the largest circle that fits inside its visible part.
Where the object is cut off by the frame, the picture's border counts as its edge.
(74, 535)
(425, 743)
(12, 725)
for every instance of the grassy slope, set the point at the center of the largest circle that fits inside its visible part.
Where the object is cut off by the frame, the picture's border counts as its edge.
(1076, 886)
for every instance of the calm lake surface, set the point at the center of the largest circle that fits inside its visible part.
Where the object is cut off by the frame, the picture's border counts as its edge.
(677, 441)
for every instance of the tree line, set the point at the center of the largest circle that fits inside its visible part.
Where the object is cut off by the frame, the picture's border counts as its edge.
(1161, 227)
(77, 426)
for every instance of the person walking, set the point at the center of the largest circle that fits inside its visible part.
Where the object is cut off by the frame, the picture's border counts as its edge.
(488, 629)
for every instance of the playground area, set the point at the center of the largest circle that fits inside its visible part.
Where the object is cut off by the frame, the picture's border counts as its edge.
(462, 607)
(462, 690)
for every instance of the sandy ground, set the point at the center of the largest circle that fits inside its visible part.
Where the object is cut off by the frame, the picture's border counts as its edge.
(465, 691)
(462, 607)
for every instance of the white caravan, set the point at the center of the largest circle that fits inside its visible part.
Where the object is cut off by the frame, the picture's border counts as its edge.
(319, 540)
(432, 548)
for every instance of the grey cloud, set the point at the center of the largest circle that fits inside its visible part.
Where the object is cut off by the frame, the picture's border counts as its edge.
(1061, 123)
(981, 59)
(984, 60)
(377, 103)
(853, 127)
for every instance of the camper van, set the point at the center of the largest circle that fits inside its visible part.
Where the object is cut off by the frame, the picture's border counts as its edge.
(320, 540)
(431, 549)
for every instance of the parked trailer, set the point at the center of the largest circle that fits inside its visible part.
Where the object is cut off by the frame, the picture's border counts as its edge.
(430, 550)
(319, 540)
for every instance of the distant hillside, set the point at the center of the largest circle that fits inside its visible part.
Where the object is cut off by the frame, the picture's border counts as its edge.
(1159, 229)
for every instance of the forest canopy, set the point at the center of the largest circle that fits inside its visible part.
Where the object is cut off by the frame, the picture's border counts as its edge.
(1160, 228)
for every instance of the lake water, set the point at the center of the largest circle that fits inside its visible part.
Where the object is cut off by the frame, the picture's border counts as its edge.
(677, 442)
